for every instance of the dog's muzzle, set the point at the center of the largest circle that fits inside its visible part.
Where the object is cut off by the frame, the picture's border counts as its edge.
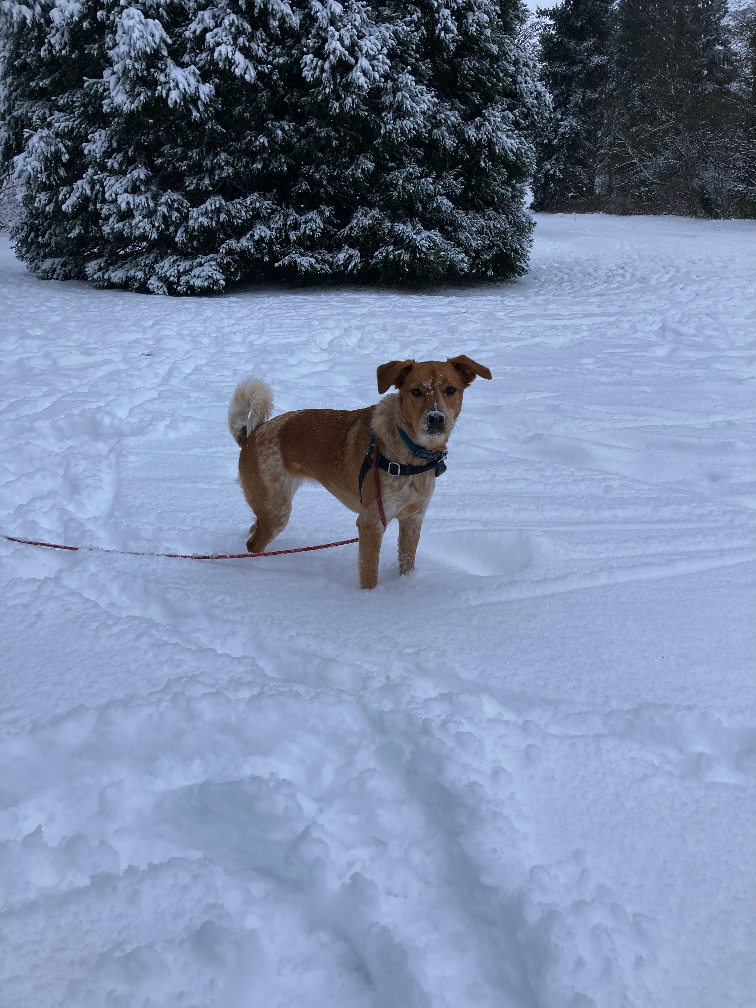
(435, 420)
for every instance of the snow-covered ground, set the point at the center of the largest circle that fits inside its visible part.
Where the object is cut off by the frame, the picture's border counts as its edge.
(518, 778)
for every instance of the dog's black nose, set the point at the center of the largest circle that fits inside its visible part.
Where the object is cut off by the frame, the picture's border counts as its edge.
(435, 418)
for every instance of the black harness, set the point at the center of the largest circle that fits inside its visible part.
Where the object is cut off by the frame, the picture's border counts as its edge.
(436, 460)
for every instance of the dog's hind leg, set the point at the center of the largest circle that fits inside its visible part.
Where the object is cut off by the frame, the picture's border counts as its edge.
(272, 506)
(268, 488)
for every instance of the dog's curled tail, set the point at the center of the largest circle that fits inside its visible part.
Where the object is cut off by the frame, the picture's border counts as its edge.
(251, 405)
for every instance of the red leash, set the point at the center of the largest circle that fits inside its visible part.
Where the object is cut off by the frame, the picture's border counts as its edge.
(188, 556)
(221, 556)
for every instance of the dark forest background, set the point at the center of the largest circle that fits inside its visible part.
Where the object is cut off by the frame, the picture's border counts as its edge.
(654, 106)
(175, 146)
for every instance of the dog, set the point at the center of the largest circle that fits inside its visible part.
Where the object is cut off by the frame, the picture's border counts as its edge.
(404, 436)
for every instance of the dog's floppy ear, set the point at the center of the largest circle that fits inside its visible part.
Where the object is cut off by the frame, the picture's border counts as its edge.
(393, 373)
(467, 369)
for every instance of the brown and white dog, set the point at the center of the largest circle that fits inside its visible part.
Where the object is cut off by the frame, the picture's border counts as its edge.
(329, 446)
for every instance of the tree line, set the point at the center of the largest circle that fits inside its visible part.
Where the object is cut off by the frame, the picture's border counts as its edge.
(654, 108)
(174, 146)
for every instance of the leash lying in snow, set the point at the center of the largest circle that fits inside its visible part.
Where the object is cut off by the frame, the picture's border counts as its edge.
(184, 556)
(373, 459)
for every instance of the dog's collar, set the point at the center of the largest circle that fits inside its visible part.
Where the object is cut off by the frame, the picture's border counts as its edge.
(417, 450)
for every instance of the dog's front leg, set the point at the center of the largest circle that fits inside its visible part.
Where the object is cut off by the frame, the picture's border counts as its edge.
(371, 537)
(409, 536)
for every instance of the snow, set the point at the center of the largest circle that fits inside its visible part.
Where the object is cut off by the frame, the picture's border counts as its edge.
(522, 776)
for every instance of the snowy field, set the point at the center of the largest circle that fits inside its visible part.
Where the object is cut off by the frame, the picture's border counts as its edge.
(520, 778)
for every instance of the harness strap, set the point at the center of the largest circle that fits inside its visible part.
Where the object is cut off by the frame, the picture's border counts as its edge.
(367, 464)
(374, 458)
(401, 469)
(377, 485)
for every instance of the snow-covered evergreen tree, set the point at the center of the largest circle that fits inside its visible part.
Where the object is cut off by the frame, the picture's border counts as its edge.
(48, 54)
(576, 47)
(175, 145)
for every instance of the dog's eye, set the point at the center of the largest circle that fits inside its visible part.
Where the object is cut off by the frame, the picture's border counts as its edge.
(415, 392)
(449, 390)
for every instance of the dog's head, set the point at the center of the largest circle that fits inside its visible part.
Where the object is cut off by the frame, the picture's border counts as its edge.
(430, 394)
